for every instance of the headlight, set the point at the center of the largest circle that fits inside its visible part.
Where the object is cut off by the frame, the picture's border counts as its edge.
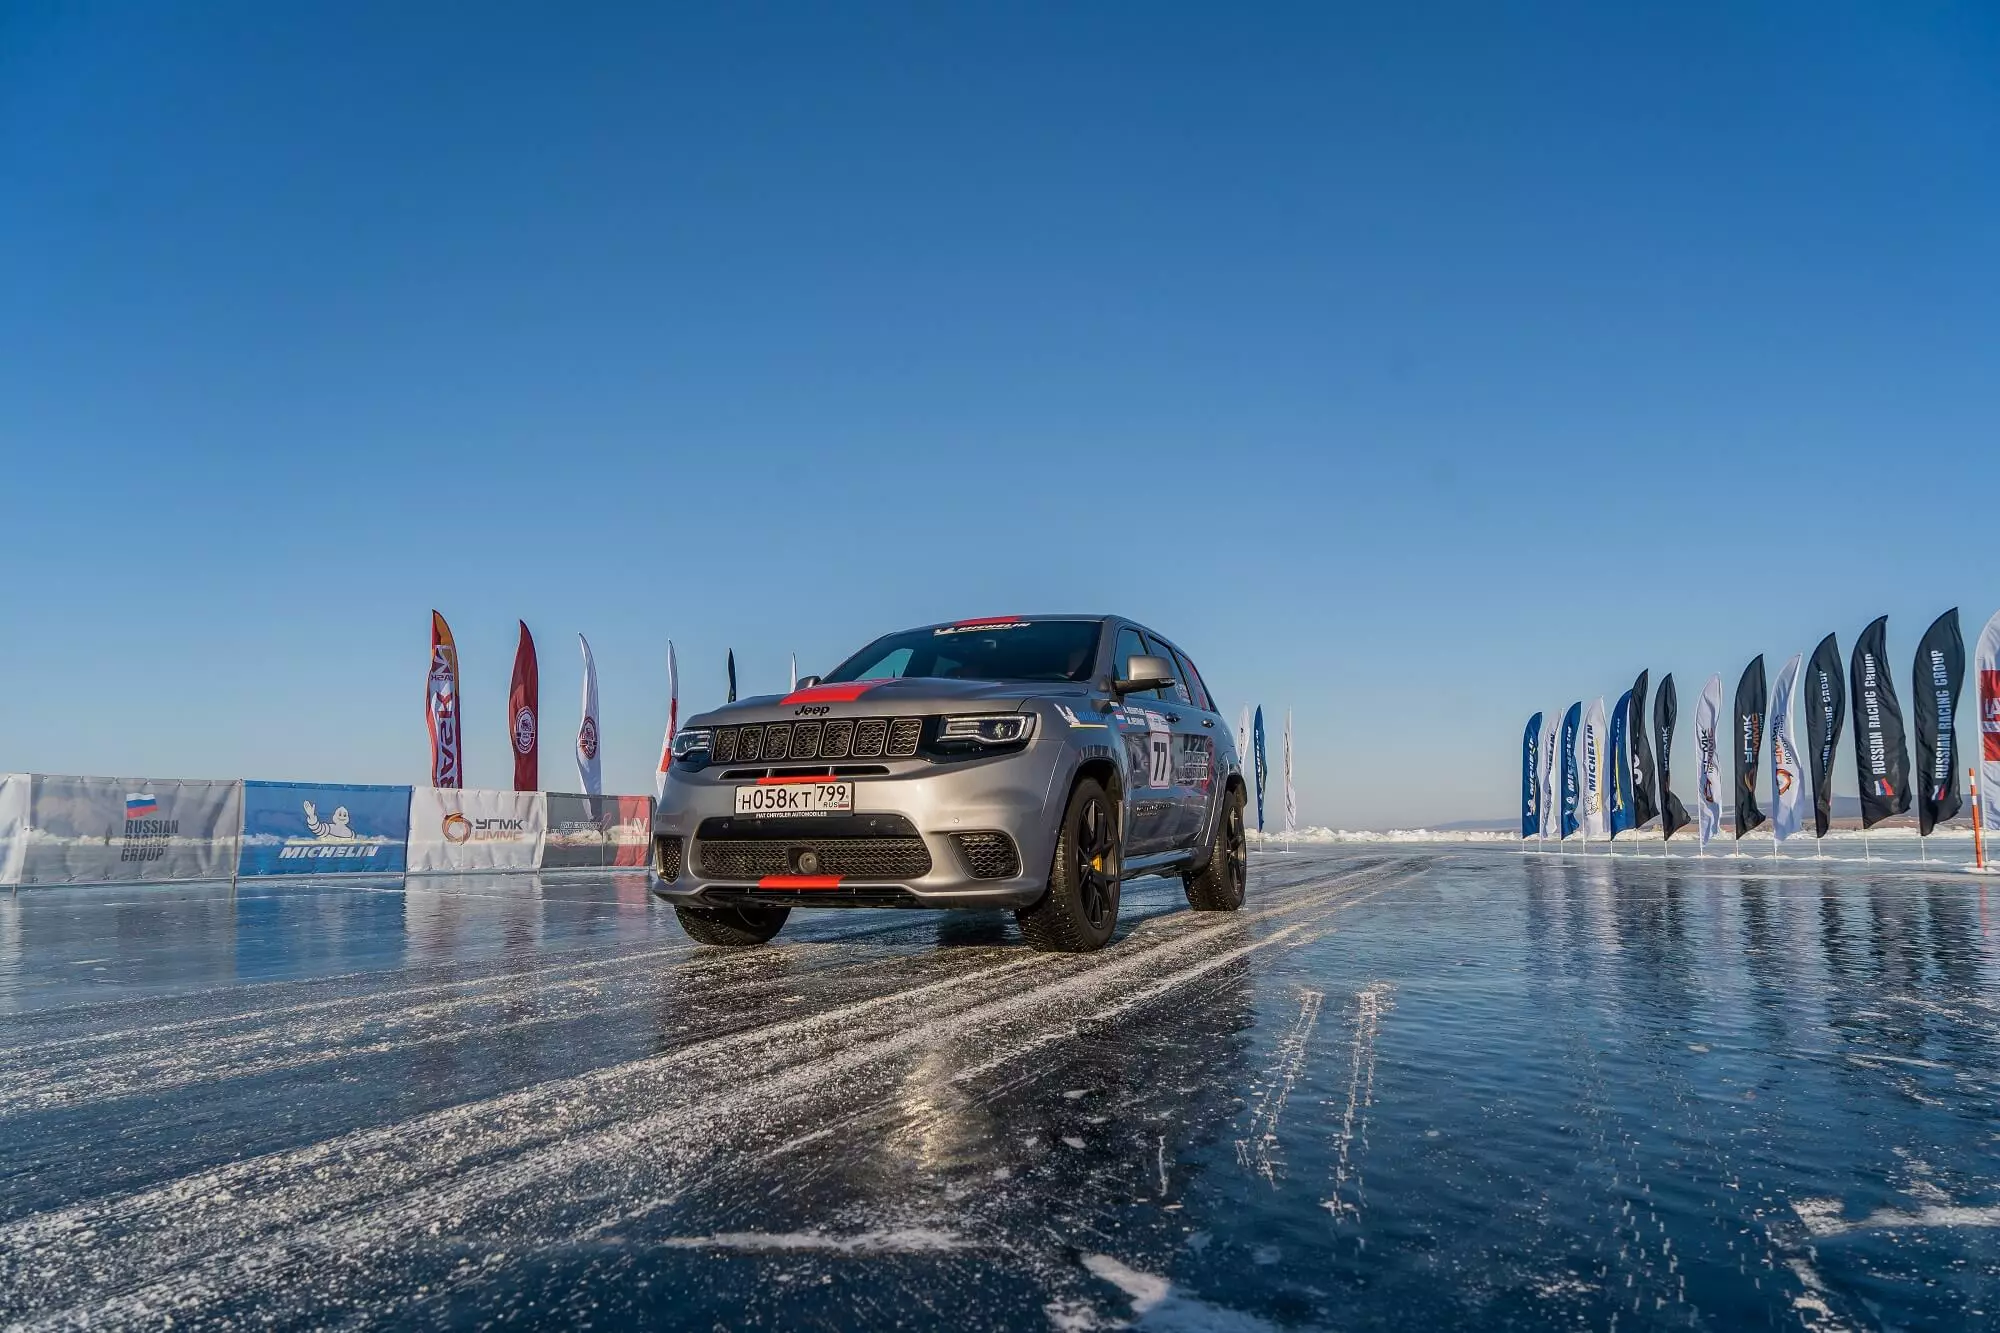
(993, 729)
(690, 741)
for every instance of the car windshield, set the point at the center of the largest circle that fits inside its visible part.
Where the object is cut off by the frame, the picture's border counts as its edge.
(1053, 650)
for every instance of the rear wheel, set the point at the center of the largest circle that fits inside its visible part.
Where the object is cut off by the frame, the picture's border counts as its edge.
(1080, 910)
(732, 927)
(1219, 885)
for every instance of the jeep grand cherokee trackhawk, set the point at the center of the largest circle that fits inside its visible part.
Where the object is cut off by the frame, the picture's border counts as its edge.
(1026, 762)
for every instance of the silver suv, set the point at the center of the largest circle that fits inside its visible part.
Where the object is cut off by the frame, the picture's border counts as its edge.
(1024, 762)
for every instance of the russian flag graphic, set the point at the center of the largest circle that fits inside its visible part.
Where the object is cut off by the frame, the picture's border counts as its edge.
(139, 807)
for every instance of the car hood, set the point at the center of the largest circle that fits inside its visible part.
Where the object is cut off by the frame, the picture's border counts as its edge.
(889, 698)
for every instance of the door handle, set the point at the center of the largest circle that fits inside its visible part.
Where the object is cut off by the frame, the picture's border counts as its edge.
(1174, 718)
(1208, 722)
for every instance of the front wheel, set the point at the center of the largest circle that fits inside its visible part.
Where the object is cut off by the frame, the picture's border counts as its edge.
(732, 927)
(1219, 885)
(1080, 910)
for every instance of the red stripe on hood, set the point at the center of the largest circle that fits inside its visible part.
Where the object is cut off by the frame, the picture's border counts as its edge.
(799, 882)
(830, 694)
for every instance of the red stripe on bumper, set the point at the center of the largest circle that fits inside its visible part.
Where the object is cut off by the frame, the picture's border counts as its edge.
(799, 882)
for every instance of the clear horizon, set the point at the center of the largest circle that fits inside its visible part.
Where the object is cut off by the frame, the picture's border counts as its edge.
(1417, 367)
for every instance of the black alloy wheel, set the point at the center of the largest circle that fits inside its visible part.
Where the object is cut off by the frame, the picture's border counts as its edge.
(1079, 911)
(1095, 855)
(1221, 884)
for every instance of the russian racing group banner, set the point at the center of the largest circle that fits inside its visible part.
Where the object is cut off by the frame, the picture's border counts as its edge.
(74, 830)
(122, 830)
(476, 829)
(588, 831)
(302, 828)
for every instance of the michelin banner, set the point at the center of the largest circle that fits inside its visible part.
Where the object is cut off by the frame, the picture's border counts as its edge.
(591, 831)
(126, 830)
(476, 829)
(303, 828)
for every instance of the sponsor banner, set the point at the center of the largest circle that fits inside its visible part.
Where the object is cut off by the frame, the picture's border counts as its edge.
(1788, 779)
(1257, 739)
(1881, 760)
(1708, 760)
(1619, 779)
(1572, 789)
(1591, 760)
(589, 765)
(308, 828)
(476, 829)
(1938, 676)
(585, 832)
(1531, 778)
(1826, 714)
(1645, 805)
(1986, 683)
(524, 715)
(125, 830)
(1750, 703)
(1666, 716)
(441, 708)
(1550, 732)
(13, 825)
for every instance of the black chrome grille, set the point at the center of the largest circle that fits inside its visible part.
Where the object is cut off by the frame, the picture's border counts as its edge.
(989, 855)
(667, 857)
(851, 858)
(839, 738)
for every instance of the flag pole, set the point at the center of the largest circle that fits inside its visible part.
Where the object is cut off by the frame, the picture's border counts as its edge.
(1978, 840)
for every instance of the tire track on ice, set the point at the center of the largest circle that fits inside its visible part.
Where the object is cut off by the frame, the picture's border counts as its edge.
(232, 1230)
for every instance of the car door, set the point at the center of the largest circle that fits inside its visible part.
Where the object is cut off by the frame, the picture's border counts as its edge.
(1192, 748)
(1207, 750)
(1152, 804)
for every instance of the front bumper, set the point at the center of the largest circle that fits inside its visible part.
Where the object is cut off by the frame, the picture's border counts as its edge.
(977, 833)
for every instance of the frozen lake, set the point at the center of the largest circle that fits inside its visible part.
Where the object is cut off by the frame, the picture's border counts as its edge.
(1408, 1086)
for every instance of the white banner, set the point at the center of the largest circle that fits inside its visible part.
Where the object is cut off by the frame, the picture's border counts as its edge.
(673, 723)
(1707, 759)
(122, 830)
(1291, 797)
(589, 768)
(476, 829)
(1552, 725)
(1788, 775)
(1592, 761)
(14, 789)
(1986, 681)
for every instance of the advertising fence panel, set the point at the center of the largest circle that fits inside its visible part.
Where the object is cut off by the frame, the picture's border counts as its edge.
(307, 828)
(476, 829)
(117, 830)
(13, 825)
(591, 831)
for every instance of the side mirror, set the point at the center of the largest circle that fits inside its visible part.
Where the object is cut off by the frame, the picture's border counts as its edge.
(1144, 673)
(807, 682)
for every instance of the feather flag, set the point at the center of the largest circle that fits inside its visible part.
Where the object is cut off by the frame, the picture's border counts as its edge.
(1881, 762)
(1750, 703)
(673, 723)
(441, 708)
(1291, 797)
(1572, 788)
(1243, 741)
(1667, 716)
(1939, 674)
(1551, 737)
(524, 711)
(1645, 805)
(1788, 779)
(1707, 713)
(1618, 778)
(795, 671)
(589, 766)
(732, 675)
(1257, 739)
(1826, 712)
(1591, 763)
(1986, 686)
(1531, 778)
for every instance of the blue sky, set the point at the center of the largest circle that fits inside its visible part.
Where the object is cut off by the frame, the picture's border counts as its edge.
(1418, 365)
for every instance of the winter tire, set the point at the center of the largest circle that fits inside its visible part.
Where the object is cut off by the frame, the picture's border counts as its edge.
(732, 927)
(1080, 910)
(1219, 885)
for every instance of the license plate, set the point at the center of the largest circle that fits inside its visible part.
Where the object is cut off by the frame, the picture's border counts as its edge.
(795, 798)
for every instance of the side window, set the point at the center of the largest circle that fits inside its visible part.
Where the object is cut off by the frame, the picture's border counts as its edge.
(1129, 647)
(1193, 679)
(1159, 649)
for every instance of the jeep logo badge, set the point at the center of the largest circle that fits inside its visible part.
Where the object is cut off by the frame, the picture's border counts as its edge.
(812, 710)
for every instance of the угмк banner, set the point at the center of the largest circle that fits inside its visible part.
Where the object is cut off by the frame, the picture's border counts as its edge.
(1826, 711)
(476, 829)
(1531, 778)
(1749, 723)
(1881, 762)
(304, 828)
(1645, 805)
(110, 830)
(1938, 675)
(1666, 716)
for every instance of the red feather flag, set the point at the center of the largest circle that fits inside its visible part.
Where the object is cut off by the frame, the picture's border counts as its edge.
(524, 712)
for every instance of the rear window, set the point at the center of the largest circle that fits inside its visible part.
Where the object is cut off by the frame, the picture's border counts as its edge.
(1193, 678)
(1159, 649)
(1049, 650)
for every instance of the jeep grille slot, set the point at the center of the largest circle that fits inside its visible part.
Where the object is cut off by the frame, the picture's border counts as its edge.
(834, 739)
